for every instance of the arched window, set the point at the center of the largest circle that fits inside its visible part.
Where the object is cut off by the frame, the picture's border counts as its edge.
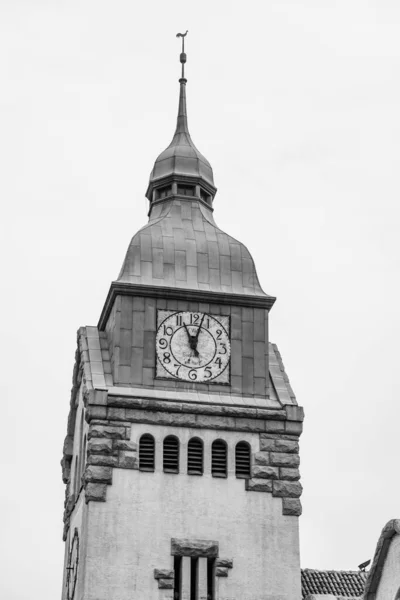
(171, 454)
(195, 457)
(219, 455)
(242, 460)
(146, 452)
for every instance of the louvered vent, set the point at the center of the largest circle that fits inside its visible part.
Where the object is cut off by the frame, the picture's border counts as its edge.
(195, 457)
(242, 456)
(171, 455)
(146, 453)
(218, 459)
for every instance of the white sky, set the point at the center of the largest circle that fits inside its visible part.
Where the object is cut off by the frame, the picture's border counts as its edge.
(296, 105)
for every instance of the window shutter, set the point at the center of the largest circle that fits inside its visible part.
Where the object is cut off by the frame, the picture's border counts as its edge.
(195, 457)
(242, 456)
(171, 455)
(219, 459)
(146, 453)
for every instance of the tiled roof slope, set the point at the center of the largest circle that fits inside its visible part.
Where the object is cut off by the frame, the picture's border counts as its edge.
(182, 248)
(342, 584)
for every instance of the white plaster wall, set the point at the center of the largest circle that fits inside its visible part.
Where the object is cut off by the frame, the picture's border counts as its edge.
(129, 535)
(389, 584)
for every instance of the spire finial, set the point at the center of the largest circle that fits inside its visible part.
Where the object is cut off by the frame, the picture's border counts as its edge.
(183, 55)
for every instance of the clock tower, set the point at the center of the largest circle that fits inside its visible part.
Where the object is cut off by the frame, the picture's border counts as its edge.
(181, 455)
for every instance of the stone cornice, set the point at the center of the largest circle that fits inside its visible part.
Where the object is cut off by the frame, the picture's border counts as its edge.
(131, 289)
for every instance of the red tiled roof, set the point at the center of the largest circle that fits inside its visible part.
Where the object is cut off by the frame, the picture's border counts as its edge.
(343, 584)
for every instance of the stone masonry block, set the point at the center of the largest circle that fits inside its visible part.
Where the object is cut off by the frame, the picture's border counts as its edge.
(264, 472)
(287, 489)
(166, 584)
(116, 414)
(224, 562)
(294, 413)
(258, 485)
(267, 444)
(99, 446)
(289, 474)
(261, 458)
(95, 492)
(194, 547)
(128, 460)
(291, 506)
(102, 460)
(283, 459)
(275, 426)
(286, 446)
(95, 412)
(221, 572)
(125, 445)
(94, 474)
(99, 397)
(104, 431)
(293, 427)
(164, 573)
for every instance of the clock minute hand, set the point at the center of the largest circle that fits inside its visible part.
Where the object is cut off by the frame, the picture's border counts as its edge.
(198, 331)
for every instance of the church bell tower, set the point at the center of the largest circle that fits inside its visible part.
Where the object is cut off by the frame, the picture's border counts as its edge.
(181, 455)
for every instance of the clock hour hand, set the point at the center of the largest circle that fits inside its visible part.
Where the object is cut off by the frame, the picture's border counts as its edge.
(192, 341)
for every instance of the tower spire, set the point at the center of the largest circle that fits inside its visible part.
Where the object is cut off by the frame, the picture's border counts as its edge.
(181, 158)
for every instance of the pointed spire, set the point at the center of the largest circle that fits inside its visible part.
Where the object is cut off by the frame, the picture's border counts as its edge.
(182, 125)
(181, 159)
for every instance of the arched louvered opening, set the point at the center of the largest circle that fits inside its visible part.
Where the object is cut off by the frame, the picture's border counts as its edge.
(219, 455)
(171, 454)
(146, 452)
(242, 460)
(195, 457)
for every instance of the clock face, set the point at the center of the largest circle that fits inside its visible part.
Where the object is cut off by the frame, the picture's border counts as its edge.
(193, 346)
(72, 568)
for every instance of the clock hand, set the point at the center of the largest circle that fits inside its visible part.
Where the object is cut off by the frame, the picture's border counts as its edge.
(196, 337)
(192, 341)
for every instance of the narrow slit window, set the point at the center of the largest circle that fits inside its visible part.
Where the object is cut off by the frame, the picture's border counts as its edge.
(177, 576)
(193, 578)
(205, 197)
(242, 460)
(219, 455)
(146, 452)
(210, 579)
(163, 192)
(186, 190)
(171, 454)
(195, 457)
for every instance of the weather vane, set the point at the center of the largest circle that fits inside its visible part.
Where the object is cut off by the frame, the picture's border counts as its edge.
(183, 55)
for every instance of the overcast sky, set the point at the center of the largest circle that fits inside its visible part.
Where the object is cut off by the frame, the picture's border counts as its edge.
(296, 106)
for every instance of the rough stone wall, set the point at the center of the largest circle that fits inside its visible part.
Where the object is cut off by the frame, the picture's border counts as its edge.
(389, 583)
(131, 332)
